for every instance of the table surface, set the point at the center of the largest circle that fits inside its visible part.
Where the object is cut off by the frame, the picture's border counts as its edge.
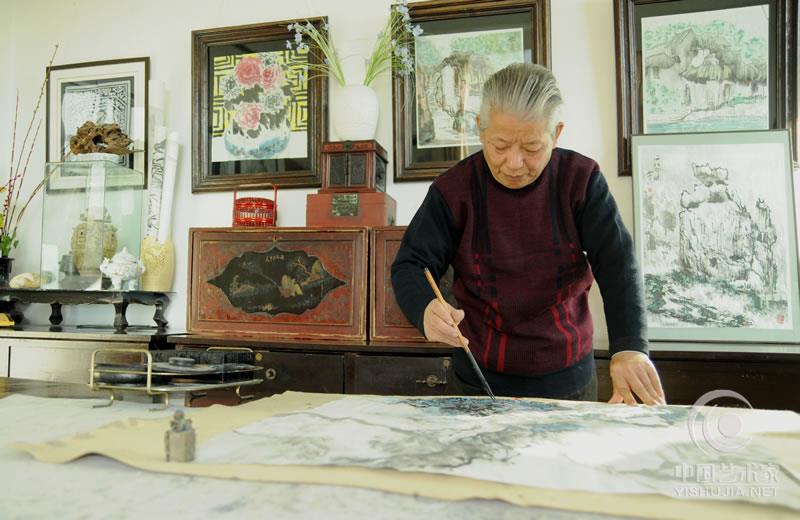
(100, 487)
(35, 411)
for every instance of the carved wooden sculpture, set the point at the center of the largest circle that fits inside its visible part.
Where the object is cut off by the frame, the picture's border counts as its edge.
(92, 138)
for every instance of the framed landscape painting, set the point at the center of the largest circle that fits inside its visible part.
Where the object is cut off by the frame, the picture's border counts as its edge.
(259, 115)
(462, 44)
(445, 114)
(713, 66)
(716, 237)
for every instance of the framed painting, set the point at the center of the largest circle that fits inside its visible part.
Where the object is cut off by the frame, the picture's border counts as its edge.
(103, 92)
(716, 237)
(290, 283)
(714, 66)
(462, 44)
(259, 117)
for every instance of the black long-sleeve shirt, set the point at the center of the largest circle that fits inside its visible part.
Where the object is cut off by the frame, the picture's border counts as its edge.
(521, 274)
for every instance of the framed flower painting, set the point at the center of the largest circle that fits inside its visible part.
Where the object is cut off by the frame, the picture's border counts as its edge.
(259, 118)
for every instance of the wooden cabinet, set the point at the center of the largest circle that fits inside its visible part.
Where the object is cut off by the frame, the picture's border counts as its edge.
(400, 375)
(766, 376)
(336, 368)
(298, 371)
(279, 283)
(283, 372)
(766, 379)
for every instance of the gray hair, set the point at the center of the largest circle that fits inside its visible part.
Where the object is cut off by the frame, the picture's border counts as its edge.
(524, 89)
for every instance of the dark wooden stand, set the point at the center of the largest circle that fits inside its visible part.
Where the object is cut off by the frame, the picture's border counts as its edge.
(56, 298)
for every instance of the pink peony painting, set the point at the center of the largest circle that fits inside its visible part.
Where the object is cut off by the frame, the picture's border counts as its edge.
(256, 99)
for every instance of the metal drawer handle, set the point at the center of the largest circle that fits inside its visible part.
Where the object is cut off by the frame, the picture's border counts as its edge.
(432, 381)
(270, 374)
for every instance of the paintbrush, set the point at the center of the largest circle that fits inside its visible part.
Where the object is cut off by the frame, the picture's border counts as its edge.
(461, 339)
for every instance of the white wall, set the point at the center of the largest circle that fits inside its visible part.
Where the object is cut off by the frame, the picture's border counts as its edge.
(89, 30)
(7, 85)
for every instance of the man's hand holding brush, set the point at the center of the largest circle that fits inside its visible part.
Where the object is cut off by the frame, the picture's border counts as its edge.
(441, 321)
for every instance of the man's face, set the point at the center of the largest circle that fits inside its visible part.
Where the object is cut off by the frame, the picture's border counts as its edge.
(517, 151)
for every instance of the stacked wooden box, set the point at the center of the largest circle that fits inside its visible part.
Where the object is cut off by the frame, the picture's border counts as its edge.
(353, 187)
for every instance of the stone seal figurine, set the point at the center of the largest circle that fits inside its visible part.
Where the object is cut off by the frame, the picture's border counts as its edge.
(179, 440)
(122, 268)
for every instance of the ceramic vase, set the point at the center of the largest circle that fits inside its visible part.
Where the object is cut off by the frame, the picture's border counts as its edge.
(5, 270)
(159, 263)
(354, 111)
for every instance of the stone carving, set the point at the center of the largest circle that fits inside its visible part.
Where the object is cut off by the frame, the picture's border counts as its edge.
(179, 440)
(27, 281)
(93, 138)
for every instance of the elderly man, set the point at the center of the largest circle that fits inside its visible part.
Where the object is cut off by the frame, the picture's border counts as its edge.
(527, 227)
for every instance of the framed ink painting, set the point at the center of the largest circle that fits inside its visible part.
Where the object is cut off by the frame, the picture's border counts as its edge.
(715, 236)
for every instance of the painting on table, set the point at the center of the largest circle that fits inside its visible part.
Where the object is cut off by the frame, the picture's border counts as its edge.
(715, 236)
(662, 461)
(562, 445)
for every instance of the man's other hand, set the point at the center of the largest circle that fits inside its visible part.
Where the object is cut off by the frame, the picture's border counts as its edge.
(438, 320)
(632, 373)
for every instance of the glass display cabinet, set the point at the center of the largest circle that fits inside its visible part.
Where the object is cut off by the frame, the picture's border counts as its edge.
(91, 211)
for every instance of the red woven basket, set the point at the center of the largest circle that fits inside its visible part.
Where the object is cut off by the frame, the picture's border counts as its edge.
(255, 211)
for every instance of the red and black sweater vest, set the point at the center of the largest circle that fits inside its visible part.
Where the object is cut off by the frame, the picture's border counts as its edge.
(521, 274)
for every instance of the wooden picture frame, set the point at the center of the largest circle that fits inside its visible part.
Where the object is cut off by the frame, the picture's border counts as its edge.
(739, 74)
(509, 30)
(283, 283)
(717, 244)
(259, 114)
(110, 91)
